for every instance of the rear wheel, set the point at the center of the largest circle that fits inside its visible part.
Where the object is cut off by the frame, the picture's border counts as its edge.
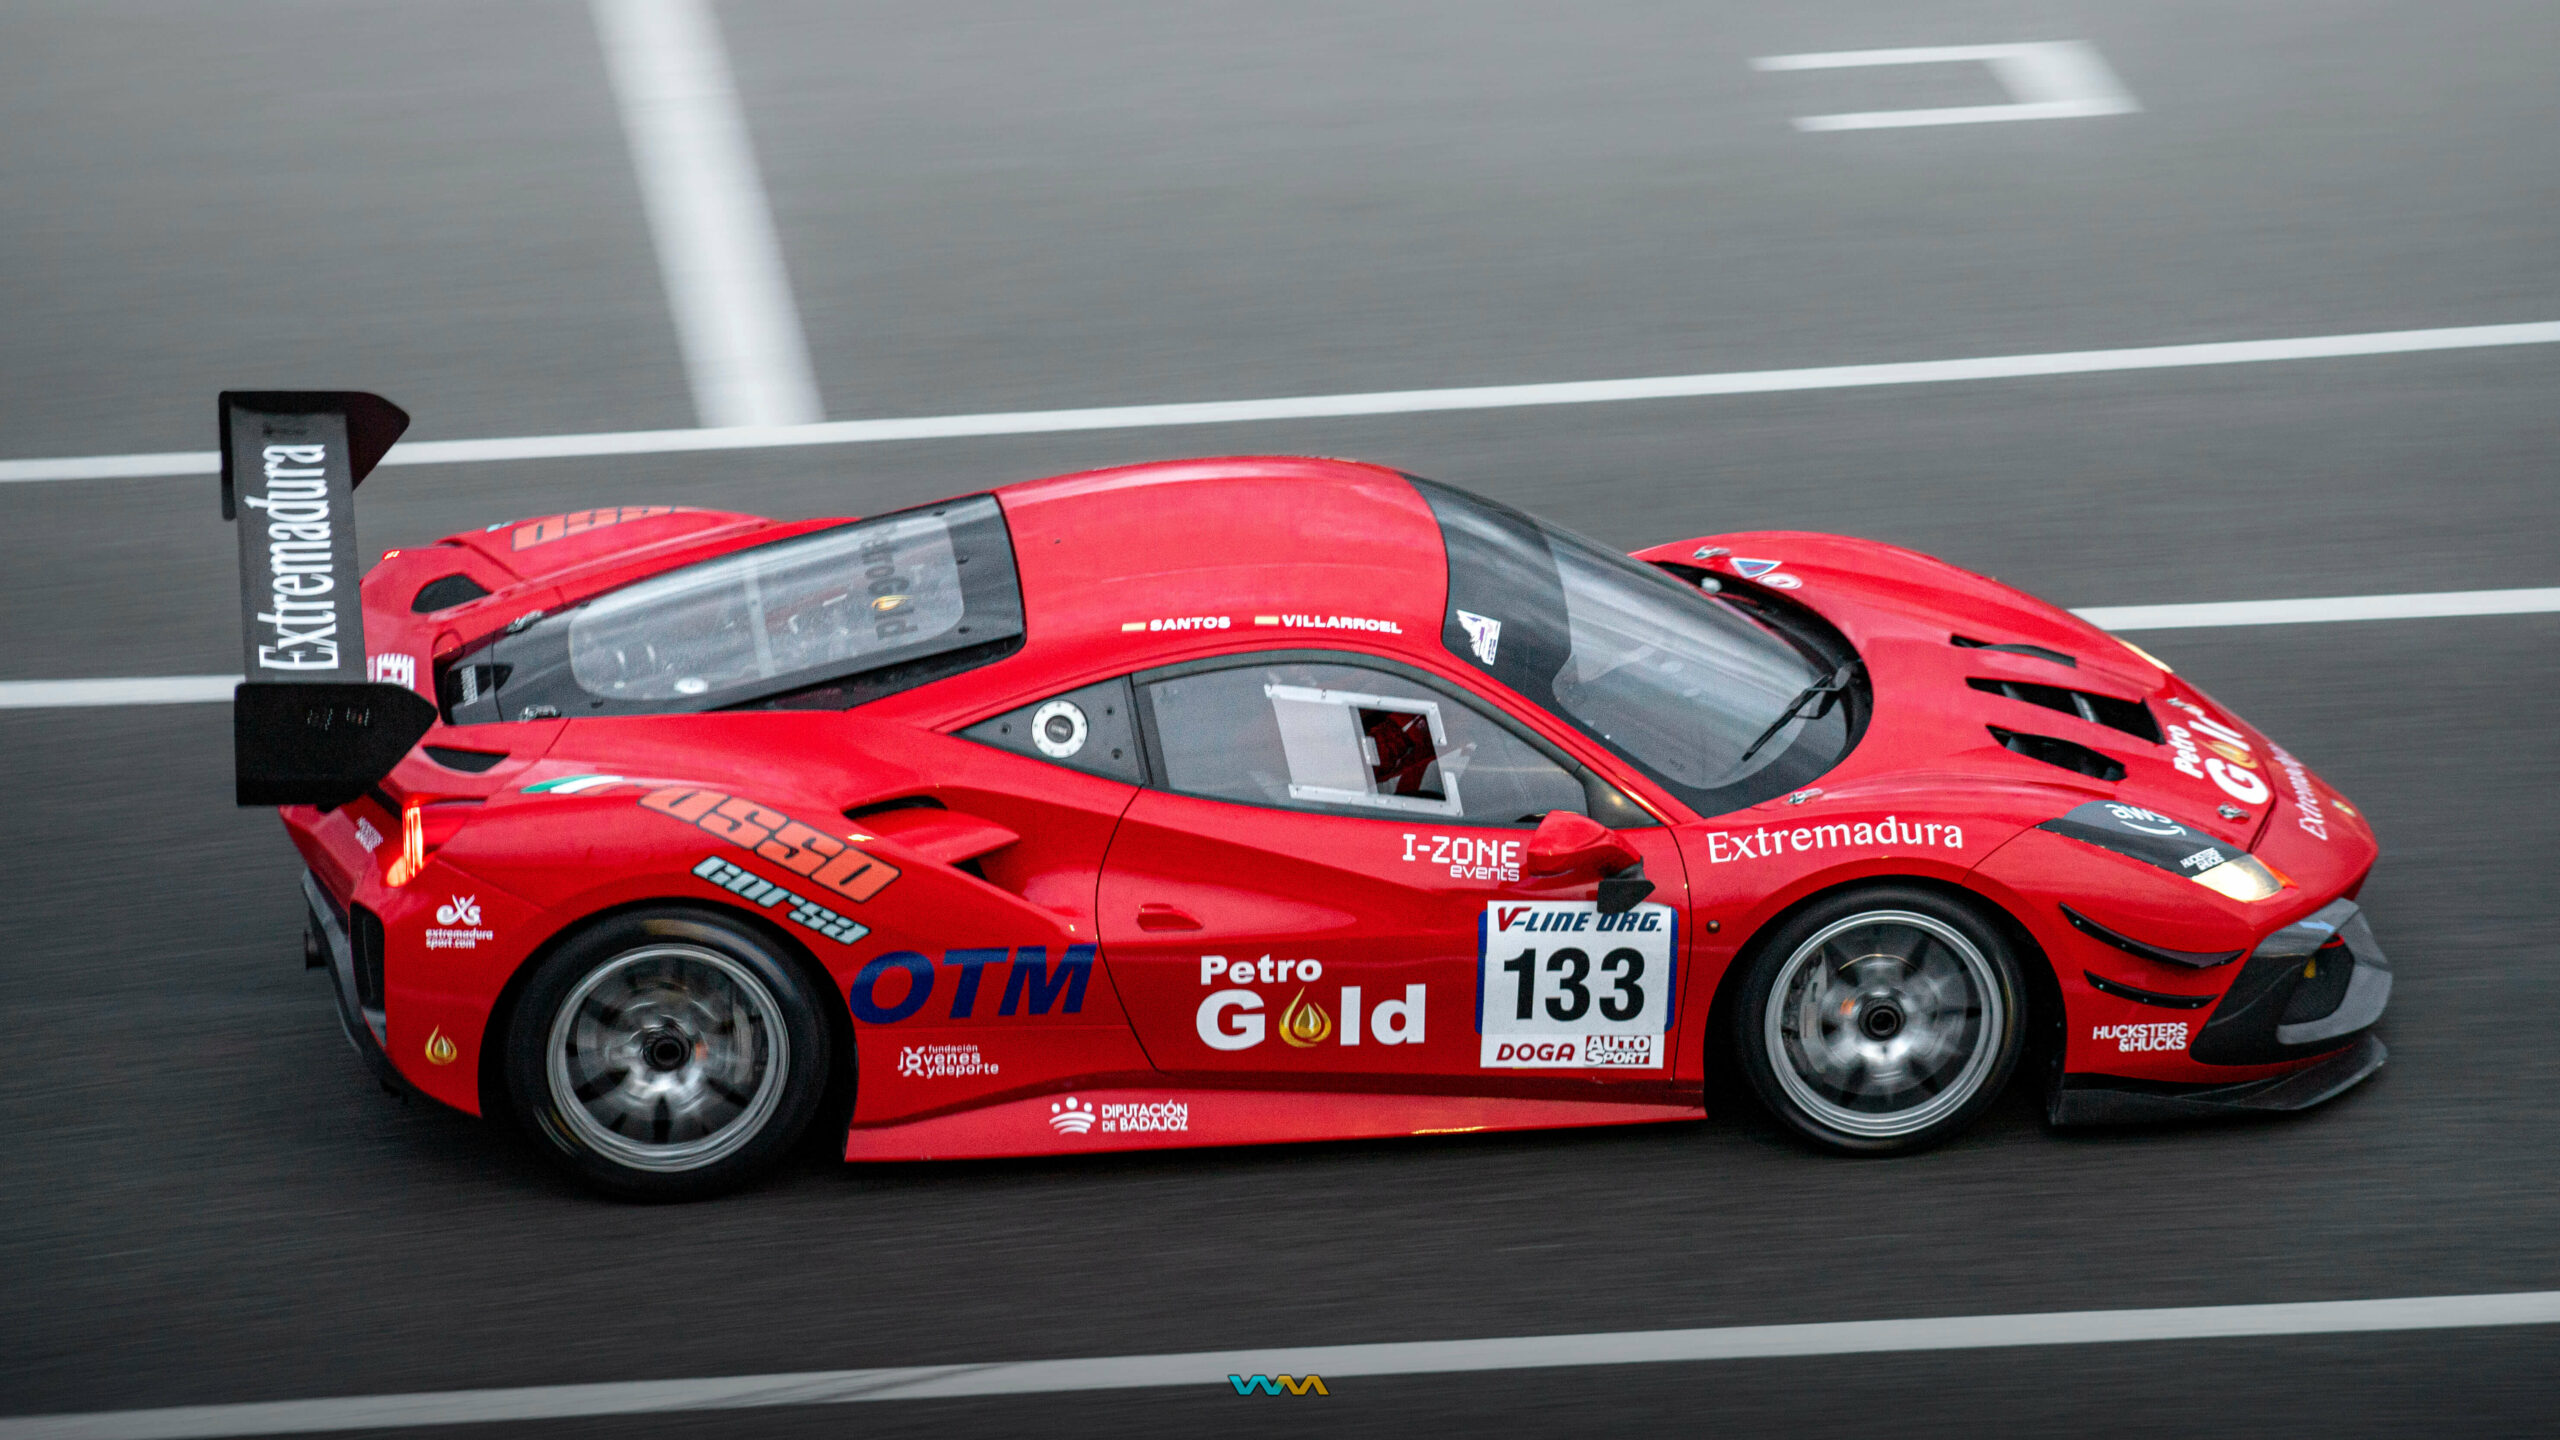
(667, 1055)
(1881, 1020)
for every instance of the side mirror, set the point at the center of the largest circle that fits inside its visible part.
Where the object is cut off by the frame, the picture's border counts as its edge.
(1568, 844)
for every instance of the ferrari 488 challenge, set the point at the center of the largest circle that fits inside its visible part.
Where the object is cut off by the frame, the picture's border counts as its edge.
(1232, 801)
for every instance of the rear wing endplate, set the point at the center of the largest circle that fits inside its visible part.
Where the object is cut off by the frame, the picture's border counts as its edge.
(308, 725)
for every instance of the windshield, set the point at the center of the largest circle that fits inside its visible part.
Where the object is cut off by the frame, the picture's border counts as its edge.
(822, 620)
(1678, 682)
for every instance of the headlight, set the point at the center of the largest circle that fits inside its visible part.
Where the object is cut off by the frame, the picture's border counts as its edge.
(2244, 878)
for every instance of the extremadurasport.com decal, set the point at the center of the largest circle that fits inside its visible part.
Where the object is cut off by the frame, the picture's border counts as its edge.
(1561, 986)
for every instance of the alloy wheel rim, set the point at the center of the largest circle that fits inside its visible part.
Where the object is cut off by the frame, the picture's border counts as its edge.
(1883, 1024)
(668, 1058)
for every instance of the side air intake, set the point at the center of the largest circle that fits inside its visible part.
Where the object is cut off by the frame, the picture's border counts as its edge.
(2130, 716)
(2013, 647)
(2054, 751)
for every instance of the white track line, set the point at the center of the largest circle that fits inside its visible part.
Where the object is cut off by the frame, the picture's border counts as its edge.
(2051, 80)
(2436, 605)
(743, 350)
(193, 689)
(1383, 402)
(143, 690)
(1211, 1368)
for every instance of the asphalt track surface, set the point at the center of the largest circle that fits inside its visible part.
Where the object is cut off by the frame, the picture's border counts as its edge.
(983, 210)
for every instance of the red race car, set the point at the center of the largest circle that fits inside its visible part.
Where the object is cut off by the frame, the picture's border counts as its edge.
(1232, 801)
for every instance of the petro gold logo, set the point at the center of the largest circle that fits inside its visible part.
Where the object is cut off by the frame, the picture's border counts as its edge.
(440, 1050)
(1305, 1023)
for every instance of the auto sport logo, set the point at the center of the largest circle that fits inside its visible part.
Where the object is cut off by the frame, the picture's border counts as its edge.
(457, 925)
(2170, 1035)
(1070, 1116)
(1484, 635)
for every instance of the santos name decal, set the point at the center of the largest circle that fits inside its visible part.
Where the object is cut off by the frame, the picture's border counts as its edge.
(1769, 844)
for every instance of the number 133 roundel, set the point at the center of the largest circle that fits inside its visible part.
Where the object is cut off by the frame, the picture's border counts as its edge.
(1561, 986)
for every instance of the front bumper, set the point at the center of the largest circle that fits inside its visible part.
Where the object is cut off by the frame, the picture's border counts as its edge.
(2310, 991)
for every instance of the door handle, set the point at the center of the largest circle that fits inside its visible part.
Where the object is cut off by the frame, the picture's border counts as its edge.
(1154, 916)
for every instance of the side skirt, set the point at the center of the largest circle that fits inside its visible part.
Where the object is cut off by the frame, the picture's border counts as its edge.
(1071, 1122)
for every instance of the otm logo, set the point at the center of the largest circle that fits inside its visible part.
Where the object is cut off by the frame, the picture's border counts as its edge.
(1273, 1385)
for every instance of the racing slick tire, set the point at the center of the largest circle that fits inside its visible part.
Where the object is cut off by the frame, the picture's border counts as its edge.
(1881, 1020)
(666, 1055)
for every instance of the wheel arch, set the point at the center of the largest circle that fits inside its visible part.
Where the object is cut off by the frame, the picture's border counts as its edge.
(2044, 991)
(492, 1078)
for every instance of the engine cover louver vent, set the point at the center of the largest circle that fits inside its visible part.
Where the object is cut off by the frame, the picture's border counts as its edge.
(2130, 716)
(2068, 754)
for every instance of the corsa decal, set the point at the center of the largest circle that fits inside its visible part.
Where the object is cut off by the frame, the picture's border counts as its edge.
(756, 890)
(1031, 984)
(579, 522)
(801, 849)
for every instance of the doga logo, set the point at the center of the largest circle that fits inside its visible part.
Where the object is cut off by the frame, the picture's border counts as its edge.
(464, 910)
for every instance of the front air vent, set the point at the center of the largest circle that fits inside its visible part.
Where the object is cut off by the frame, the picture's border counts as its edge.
(2068, 754)
(2130, 716)
(445, 593)
(2013, 647)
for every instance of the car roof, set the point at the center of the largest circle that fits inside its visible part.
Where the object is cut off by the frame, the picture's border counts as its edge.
(1275, 549)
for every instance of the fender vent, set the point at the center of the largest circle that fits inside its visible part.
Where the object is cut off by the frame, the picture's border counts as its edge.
(364, 938)
(2065, 753)
(469, 762)
(2013, 647)
(2130, 716)
(445, 593)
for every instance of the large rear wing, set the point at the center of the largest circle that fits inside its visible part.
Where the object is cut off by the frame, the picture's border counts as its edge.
(308, 727)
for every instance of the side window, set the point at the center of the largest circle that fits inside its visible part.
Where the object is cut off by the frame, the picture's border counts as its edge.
(1311, 736)
(1089, 729)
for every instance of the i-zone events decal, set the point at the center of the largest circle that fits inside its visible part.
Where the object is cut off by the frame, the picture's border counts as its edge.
(799, 848)
(1032, 986)
(1561, 986)
(1467, 857)
(579, 522)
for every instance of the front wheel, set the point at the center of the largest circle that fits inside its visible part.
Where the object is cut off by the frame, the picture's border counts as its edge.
(666, 1055)
(1881, 1020)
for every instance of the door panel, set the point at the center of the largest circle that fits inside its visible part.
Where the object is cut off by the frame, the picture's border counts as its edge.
(1258, 929)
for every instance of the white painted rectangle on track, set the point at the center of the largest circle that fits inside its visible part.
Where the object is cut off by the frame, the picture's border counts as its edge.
(1379, 402)
(1206, 1369)
(2048, 80)
(2443, 604)
(722, 263)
